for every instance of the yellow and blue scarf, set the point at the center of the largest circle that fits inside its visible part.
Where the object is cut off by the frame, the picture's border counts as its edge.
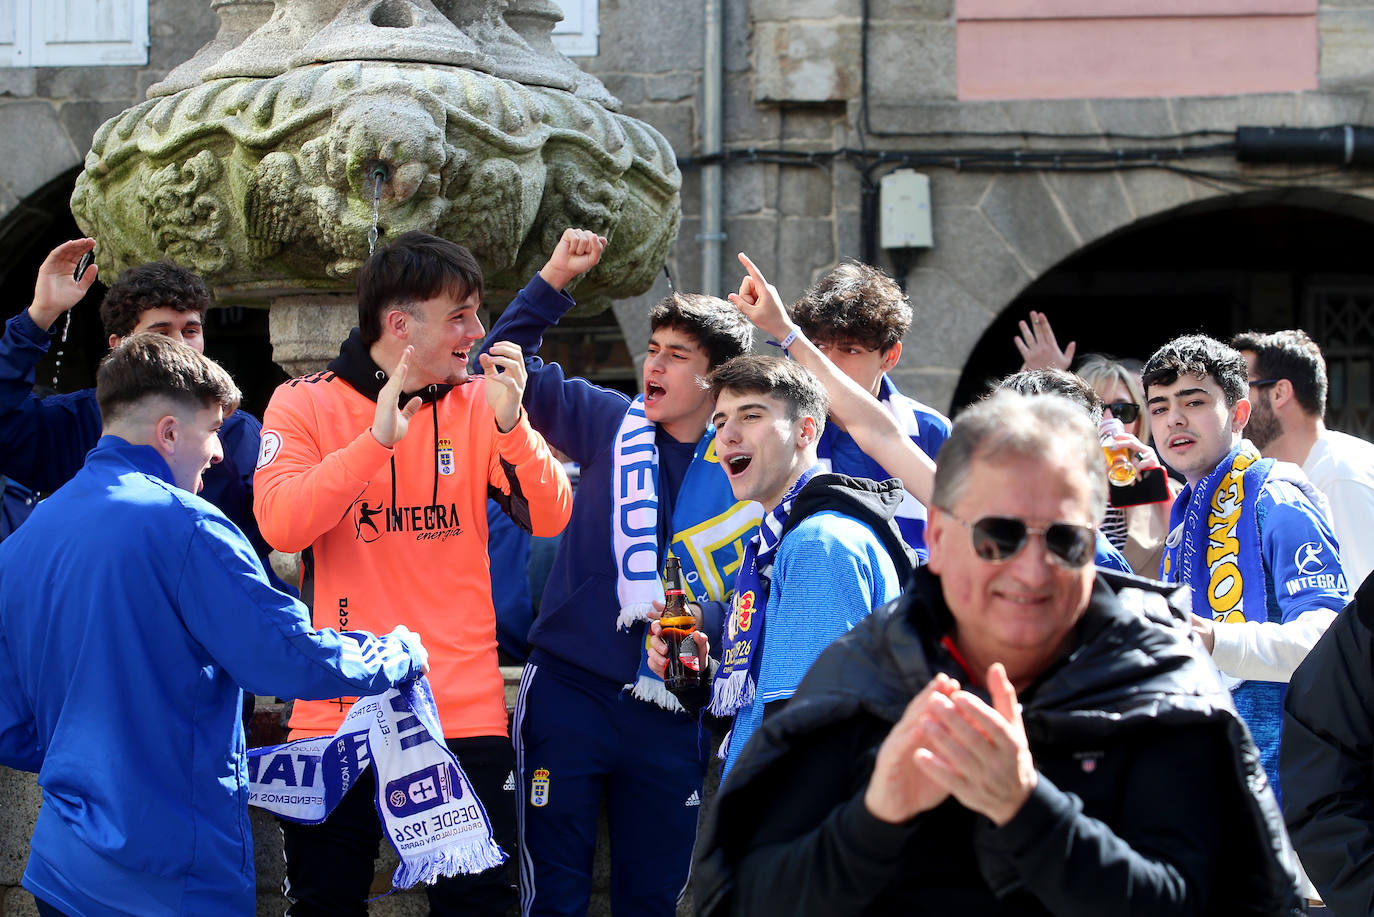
(1214, 539)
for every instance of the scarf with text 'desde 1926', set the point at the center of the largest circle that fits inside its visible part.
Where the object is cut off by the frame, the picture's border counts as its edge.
(428, 809)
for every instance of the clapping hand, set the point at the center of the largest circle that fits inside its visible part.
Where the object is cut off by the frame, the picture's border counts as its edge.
(390, 422)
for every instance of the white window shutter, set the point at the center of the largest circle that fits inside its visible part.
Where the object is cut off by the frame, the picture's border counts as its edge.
(86, 33)
(14, 30)
(576, 35)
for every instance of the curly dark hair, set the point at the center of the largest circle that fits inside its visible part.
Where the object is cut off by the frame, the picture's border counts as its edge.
(155, 285)
(1201, 356)
(854, 302)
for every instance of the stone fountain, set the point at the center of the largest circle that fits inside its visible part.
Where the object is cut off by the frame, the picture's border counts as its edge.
(258, 162)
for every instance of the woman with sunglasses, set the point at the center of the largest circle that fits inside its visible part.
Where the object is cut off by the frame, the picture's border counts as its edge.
(1137, 531)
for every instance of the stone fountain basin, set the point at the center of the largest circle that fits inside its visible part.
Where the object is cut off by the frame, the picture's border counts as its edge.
(265, 186)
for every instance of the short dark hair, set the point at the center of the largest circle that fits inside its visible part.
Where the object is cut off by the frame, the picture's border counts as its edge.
(147, 365)
(411, 268)
(155, 285)
(791, 383)
(721, 329)
(1290, 355)
(1199, 355)
(854, 302)
(1247, 340)
(1056, 382)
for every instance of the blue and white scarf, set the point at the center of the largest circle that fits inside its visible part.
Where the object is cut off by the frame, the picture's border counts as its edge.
(737, 676)
(911, 514)
(1214, 539)
(709, 529)
(428, 809)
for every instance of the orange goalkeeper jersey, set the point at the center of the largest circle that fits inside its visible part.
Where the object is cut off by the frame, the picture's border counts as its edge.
(399, 535)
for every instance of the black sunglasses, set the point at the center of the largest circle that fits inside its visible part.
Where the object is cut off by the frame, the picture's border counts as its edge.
(997, 539)
(1124, 411)
(1258, 382)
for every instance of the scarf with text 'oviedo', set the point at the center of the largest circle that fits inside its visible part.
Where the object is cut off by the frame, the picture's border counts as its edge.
(428, 809)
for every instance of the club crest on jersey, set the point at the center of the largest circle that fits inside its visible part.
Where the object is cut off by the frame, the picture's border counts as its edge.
(539, 788)
(445, 456)
(741, 614)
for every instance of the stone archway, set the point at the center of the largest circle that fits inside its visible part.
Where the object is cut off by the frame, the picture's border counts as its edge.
(236, 337)
(28, 231)
(998, 235)
(1229, 263)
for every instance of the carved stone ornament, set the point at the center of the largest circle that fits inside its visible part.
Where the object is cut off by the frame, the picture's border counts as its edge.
(256, 162)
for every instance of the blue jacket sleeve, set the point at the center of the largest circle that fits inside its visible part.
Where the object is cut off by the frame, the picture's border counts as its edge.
(1109, 557)
(1300, 551)
(43, 441)
(19, 746)
(21, 347)
(827, 555)
(263, 637)
(573, 415)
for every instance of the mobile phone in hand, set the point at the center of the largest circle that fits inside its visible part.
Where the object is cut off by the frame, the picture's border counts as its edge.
(81, 266)
(1150, 486)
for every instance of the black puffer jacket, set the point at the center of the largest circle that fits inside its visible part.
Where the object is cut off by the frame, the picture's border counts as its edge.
(1151, 799)
(1327, 759)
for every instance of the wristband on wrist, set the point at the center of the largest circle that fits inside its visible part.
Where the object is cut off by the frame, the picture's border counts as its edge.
(787, 341)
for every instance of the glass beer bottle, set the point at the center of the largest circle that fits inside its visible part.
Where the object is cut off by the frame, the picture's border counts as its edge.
(1120, 469)
(678, 623)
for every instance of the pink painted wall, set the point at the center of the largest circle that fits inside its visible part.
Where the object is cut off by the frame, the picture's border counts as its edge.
(1064, 49)
(1123, 9)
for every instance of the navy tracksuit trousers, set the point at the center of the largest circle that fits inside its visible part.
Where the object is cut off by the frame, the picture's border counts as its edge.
(581, 739)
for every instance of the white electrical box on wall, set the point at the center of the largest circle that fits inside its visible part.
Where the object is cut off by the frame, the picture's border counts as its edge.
(904, 210)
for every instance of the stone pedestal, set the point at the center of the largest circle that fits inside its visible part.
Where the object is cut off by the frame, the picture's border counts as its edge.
(307, 330)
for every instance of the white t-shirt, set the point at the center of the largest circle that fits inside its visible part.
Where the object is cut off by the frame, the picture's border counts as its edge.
(1342, 467)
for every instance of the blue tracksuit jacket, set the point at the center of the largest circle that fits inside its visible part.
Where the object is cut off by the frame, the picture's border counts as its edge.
(131, 612)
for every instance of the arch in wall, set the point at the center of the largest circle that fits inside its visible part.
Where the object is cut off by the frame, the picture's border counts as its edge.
(30, 230)
(998, 235)
(1262, 260)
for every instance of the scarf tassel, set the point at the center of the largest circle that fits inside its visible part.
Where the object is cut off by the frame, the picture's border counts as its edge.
(651, 689)
(732, 693)
(464, 859)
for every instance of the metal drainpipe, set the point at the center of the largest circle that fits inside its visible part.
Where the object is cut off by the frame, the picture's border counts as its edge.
(712, 234)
